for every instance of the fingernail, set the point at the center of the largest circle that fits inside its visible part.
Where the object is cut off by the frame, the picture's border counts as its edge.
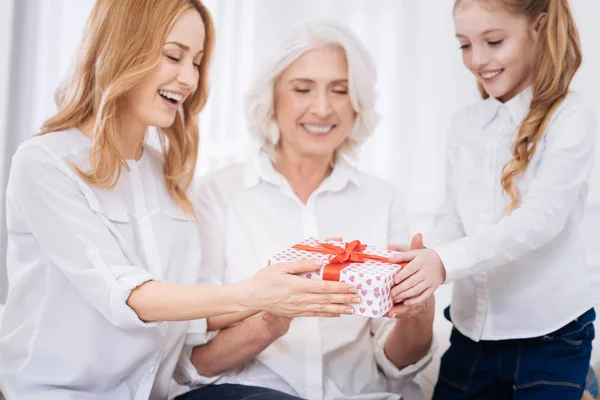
(352, 290)
(357, 300)
(349, 310)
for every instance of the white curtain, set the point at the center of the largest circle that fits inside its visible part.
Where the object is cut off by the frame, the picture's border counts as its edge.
(421, 80)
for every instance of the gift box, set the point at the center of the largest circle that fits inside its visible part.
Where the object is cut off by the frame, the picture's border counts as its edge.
(366, 267)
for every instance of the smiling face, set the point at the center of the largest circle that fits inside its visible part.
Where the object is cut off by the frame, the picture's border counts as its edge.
(497, 47)
(154, 101)
(312, 104)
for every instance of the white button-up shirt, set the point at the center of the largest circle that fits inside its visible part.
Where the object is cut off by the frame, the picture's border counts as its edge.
(519, 275)
(247, 214)
(75, 252)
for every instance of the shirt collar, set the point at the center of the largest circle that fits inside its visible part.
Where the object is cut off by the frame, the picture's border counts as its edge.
(260, 168)
(517, 107)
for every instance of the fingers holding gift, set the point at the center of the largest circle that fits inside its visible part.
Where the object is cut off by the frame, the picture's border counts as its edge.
(410, 291)
(421, 299)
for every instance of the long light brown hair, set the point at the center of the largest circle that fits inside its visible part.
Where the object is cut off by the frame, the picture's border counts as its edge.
(556, 60)
(122, 42)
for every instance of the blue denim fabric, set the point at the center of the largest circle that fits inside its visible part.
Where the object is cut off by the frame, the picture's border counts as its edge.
(553, 366)
(235, 392)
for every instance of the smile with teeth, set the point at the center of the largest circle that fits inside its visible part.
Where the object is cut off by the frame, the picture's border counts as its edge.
(491, 74)
(318, 128)
(170, 96)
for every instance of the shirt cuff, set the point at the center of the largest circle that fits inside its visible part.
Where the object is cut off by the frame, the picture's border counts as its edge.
(187, 374)
(122, 279)
(124, 316)
(454, 260)
(407, 373)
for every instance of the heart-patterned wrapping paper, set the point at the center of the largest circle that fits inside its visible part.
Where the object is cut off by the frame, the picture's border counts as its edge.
(373, 278)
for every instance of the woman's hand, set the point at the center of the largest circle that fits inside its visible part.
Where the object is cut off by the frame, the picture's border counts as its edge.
(277, 290)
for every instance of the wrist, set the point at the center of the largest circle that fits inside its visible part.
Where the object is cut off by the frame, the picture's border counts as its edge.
(239, 295)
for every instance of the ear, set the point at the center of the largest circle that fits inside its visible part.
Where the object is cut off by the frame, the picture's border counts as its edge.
(538, 24)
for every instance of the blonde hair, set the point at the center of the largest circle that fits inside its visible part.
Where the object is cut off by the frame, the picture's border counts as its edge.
(362, 75)
(122, 42)
(556, 60)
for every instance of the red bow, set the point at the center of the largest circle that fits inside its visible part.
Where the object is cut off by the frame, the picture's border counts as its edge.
(341, 257)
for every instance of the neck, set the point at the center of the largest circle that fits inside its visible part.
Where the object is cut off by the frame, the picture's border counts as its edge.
(130, 144)
(304, 173)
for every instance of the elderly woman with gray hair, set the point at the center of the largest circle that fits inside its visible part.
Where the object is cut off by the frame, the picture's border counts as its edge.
(310, 109)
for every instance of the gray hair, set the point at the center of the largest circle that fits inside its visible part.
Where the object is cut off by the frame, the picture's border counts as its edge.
(362, 75)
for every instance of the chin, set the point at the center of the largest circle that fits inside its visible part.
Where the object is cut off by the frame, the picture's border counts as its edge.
(164, 122)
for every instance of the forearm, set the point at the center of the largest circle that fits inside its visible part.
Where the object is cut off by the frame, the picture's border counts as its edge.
(232, 347)
(160, 301)
(411, 338)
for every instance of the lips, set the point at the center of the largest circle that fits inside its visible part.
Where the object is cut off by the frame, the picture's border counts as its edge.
(490, 76)
(318, 129)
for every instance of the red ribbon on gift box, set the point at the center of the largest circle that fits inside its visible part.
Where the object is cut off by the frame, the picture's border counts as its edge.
(341, 257)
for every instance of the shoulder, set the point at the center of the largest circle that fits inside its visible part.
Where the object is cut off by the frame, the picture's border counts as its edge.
(220, 185)
(57, 149)
(574, 121)
(378, 189)
(475, 112)
(224, 178)
(574, 104)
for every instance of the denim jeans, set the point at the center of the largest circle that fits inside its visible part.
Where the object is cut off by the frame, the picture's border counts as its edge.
(235, 392)
(553, 366)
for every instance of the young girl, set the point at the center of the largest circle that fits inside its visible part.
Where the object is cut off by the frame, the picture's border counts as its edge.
(102, 240)
(518, 166)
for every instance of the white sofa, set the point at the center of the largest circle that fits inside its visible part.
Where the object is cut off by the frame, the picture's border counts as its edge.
(442, 329)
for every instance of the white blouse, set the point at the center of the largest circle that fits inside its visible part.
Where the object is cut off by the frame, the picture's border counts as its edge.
(75, 252)
(247, 214)
(520, 275)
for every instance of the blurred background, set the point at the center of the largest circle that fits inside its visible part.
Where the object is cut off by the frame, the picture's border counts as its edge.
(421, 83)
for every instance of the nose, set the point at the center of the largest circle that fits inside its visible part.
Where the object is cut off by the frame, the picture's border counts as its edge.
(322, 105)
(188, 75)
(479, 58)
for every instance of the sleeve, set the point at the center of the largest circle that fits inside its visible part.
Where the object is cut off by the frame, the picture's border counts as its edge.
(45, 196)
(447, 225)
(381, 329)
(559, 180)
(210, 213)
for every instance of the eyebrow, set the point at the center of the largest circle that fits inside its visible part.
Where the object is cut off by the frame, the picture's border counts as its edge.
(183, 46)
(308, 80)
(482, 33)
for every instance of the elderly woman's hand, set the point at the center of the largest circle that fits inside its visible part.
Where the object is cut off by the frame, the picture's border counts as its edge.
(277, 290)
(278, 326)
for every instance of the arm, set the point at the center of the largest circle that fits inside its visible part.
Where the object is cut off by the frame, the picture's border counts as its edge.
(249, 338)
(546, 205)
(224, 321)
(412, 336)
(559, 181)
(48, 197)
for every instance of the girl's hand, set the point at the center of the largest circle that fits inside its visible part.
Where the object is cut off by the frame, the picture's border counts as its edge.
(417, 281)
(276, 289)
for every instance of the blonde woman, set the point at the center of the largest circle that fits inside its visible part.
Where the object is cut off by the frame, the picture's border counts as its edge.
(102, 233)
(311, 108)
